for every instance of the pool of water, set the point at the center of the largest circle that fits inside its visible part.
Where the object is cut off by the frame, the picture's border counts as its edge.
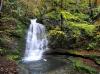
(48, 65)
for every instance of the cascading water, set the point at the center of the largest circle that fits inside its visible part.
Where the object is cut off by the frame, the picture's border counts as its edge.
(36, 42)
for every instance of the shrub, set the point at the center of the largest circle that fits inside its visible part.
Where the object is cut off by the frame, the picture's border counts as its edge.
(57, 39)
(80, 66)
(97, 40)
(79, 35)
(3, 52)
(88, 28)
(91, 46)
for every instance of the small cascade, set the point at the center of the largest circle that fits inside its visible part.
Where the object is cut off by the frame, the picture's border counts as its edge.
(36, 42)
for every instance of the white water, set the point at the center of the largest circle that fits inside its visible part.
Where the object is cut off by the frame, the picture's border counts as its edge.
(36, 42)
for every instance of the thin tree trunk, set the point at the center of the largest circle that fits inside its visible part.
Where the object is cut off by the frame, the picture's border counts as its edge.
(90, 10)
(95, 3)
(1, 1)
(61, 15)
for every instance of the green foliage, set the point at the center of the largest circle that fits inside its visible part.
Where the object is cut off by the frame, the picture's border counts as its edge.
(20, 29)
(17, 28)
(13, 57)
(75, 17)
(96, 10)
(97, 60)
(12, 32)
(76, 5)
(76, 35)
(16, 9)
(52, 18)
(81, 16)
(79, 35)
(53, 15)
(13, 6)
(91, 46)
(3, 51)
(97, 37)
(95, 43)
(57, 39)
(97, 40)
(68, 15)
(89, 29)
(82, 67)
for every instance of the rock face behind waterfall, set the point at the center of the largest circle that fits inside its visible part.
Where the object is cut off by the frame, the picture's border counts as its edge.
(36, 41)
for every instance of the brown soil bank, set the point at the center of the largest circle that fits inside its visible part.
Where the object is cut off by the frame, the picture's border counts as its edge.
(7, 66)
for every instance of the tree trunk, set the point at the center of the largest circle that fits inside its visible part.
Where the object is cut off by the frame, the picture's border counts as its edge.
(90, 10)
(95, 3)
(61, 15)
(1, 1)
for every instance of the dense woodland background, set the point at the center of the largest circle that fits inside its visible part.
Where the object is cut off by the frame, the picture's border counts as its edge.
(70, 24)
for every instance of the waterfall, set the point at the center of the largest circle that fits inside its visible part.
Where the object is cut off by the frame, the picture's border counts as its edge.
(36, 42)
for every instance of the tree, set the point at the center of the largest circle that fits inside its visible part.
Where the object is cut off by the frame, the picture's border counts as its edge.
(1, 1)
